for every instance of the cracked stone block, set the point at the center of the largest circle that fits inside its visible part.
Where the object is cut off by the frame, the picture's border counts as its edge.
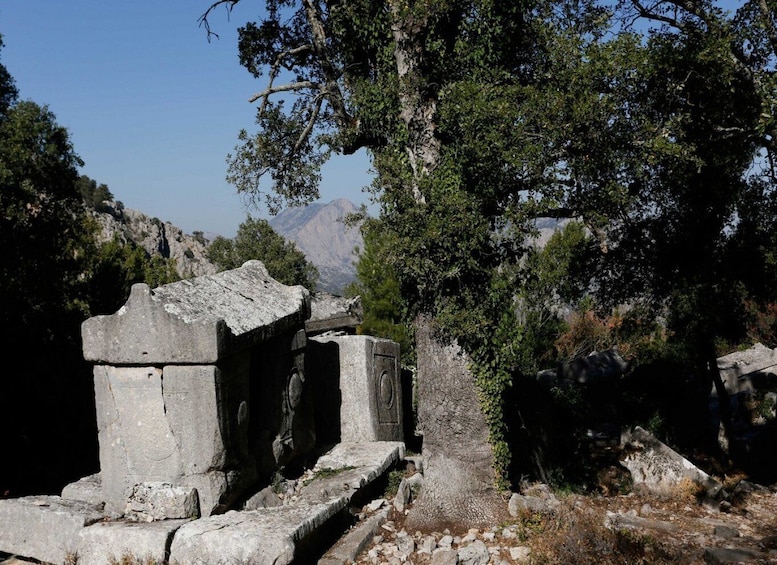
(136, 442)
(109, 542)
(657, 467)
(184, 425)
(45, 528)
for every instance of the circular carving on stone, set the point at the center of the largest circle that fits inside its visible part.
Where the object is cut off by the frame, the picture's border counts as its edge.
(294, 388)
(386, 388)
(242, 413)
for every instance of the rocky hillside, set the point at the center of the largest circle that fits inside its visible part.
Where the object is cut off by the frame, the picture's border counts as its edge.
(326, 241)
(316, 229)
(156, 237)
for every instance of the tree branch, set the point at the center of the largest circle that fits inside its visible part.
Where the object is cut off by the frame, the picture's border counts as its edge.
(291, 87)
(202, 21)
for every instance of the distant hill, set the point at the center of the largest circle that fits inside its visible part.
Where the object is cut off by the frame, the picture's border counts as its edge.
(156, 237)
(316, 229)
(326, 241)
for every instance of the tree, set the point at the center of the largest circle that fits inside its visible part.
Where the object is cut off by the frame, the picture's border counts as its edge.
(379, 290)
(695, 176)
(114, 267)
(45, 397)
(257, 240)
(94, 195)
(473, 112)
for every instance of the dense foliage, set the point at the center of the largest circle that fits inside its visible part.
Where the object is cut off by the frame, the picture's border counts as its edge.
(53, 275)
(378, 288)
(256, 239)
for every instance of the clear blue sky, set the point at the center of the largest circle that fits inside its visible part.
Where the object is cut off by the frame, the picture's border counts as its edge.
(152, 108)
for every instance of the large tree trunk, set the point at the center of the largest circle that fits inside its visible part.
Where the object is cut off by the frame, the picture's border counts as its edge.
(459, 489)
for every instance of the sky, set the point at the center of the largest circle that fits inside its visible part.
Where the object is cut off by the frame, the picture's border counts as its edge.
(152, 107)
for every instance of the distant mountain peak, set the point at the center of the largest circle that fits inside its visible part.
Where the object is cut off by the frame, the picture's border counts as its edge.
(320, 233)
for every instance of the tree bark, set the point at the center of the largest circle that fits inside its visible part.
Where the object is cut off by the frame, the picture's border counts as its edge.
(459, 489)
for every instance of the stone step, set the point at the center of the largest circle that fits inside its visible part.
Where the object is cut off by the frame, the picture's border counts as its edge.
(292, 532)
(53, 529)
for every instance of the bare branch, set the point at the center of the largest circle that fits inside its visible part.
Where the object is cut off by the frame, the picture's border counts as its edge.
(651, 14)
(291, 87)
(310, 125)
(203, 19)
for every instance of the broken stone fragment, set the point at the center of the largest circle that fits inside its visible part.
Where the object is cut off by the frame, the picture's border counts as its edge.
(151, 502)
(658, 468)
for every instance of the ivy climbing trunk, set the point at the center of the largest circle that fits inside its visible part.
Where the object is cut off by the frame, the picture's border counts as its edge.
(459, 474)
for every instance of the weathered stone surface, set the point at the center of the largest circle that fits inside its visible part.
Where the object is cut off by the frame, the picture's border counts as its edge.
(597, 366)
(657, 467)
(522, 503)
(332, 313)
(44, 527)
(367, 377)
(268, 536)
(475, 553)
(181, 425)
(458, 461)
(353, 543)
(408, 487)
(275, 534)
(443, 556)
(379, 455)
(265, 498)
(107, 542)
(369, 462)
(197, 320)
(89, 489)
(149, 502)
(736, 368)
(283, 425)
(136, 442)
(618, 521)
(724, 555)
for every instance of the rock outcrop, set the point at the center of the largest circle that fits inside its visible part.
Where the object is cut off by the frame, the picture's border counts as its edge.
(156, 238)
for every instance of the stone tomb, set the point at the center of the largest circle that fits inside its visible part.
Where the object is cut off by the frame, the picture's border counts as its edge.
(204, 392)
(201, 384)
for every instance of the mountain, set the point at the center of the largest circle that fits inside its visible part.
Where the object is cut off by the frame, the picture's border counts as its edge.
(156, 237)
(319, 232)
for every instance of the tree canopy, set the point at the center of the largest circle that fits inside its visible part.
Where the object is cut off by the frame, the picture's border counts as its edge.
(653, 125)
(256, 239)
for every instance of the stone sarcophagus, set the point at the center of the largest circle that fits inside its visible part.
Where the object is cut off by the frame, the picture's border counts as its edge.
(201, 384)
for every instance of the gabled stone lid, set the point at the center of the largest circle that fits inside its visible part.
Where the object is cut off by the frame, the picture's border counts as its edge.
(199, 320)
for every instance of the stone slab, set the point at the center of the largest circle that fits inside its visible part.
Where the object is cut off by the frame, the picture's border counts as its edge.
(198, 320)
(737, 368)
(89, 489)
(269, 536)
(331, 313)
(107, 542)
(274, 535)
(658, 467)
(44, 527)
(378, 454)
(355, 541)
